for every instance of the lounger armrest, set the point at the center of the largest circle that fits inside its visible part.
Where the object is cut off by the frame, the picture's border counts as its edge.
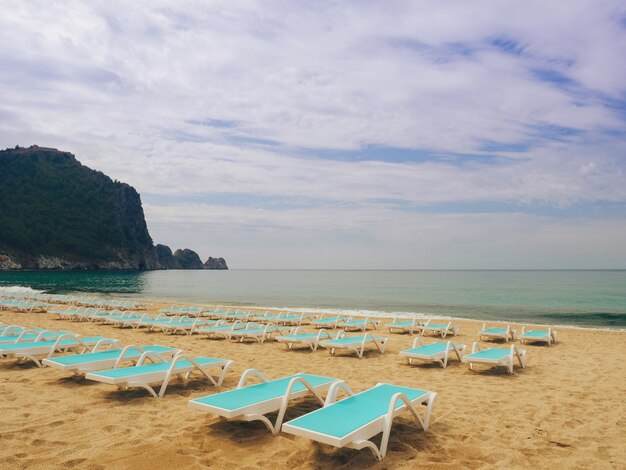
(416, 341)
(335, 388)
(248, 373)
(475, 347)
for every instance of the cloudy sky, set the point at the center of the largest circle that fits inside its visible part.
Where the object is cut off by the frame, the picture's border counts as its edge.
(338, 134)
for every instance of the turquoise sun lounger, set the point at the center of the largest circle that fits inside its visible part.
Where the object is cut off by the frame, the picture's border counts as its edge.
(81, 364)
(252, 402)
(327, 322)
(404, 325)
(64, 343)
(505, 333)
(435, 352)
(258, 332)
(29, 335)
(360, 324)
(358, 344)
(353, 421)
(495, 357)
(161, 372)
(300, 337)
(442, 329)
(539, 336)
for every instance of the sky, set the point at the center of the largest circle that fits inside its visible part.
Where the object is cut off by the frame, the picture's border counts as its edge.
(340, 134)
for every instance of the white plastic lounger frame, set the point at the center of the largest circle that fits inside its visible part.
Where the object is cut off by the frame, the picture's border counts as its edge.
(505, 333)
(409, 325)
(359, 438)
(440, 355)
(540, 336)
(256, 411)
(124, 356)
(163, 376)
(299, 336)
(36, 350)
(495, 357)
(442, 329)
(358, 343)
(329, 321)
(361, 324)
(261, 333)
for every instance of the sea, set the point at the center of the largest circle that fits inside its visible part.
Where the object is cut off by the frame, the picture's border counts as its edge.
(588, 298)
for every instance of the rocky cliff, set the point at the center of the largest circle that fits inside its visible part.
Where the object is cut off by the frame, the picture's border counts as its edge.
(215, 263)
(58, 214)
(186, 259)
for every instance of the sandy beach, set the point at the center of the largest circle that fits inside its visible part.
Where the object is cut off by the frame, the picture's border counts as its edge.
(564, 410)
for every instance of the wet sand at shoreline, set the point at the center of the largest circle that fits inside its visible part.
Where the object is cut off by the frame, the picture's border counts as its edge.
(564, 410)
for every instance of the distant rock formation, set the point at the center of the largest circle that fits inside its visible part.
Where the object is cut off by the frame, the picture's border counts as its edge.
(58, 214)
(215, 263)
(187, 259)
(165, 257)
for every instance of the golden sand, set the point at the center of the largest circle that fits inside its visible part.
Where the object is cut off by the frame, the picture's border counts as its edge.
(565, 410)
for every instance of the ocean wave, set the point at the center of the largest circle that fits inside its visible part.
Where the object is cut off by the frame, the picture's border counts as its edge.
(19, 290)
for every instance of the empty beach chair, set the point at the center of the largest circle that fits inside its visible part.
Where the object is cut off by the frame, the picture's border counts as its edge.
(80, 364)
(404, 325)
(442, 329)
(328, 322)
(539, 336)
(28, 335)
(360, 324)
(358, 344)
(311, 340)
(187, 326)
(39, 349)
(261, 333)
(222, 330)
(505, 333)
(353, 421)
(252, 402)
(160, 372)
(435, 352)
(292, 319)
(495, 356)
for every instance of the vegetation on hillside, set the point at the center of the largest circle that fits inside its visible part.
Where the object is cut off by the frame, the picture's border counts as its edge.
(50, 204)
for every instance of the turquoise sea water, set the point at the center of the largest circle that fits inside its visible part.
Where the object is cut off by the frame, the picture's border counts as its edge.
(585, 298)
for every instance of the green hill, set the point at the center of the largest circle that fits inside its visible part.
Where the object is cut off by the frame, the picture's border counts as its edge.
(56, 213)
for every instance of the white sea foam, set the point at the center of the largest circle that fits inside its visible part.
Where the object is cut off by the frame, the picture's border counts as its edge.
(19, 290)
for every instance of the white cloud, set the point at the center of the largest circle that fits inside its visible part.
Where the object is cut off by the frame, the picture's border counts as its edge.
(121, 85)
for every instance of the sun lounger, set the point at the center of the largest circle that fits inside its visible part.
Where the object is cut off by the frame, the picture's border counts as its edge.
(360, 324)
(28, 335)
(252, 402)
(328, 322)
(495, 356)
(404, 325)
(358, 344)
(261, 333)
(161, 372)
(298, 336)
(64, 343)
(184, 324)
(505, 333)
(290, 319)
(222, 330)
(539, 336)
(434, 352)
(146, 320)
(80, 364)
(442, 329)
(353, 421)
